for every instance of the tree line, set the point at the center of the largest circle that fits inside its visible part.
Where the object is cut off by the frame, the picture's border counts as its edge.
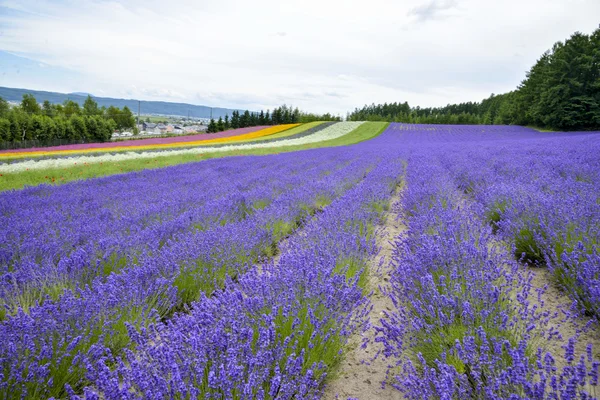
(280, 115)
(30, 121)
(560, 92)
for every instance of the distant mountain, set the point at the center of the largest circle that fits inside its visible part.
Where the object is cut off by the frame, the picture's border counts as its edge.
(82, 94)
(146, 107)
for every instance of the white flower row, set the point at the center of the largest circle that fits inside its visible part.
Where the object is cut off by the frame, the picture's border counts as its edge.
(332, 132)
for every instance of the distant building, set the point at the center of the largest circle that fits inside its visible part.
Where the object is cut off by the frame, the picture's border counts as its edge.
(194, 128)
(161, 128)
(148, 126)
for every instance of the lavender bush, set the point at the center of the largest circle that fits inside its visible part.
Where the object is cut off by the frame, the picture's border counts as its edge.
(465, 324)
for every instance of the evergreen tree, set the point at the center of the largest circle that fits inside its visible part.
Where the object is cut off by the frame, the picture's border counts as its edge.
(220, 125)
(212, 126)
(235, 120)
(245, 119)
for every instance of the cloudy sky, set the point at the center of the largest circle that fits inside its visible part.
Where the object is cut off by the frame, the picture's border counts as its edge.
(319, 55)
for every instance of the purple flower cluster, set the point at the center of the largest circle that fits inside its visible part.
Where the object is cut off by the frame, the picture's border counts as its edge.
(276, 331)
(465, 324)
(543, 197)
(102, 278)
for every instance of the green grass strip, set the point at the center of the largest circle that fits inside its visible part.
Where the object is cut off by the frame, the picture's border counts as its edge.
(55, 176)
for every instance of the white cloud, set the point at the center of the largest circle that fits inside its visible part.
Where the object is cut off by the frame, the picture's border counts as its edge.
(319, 55)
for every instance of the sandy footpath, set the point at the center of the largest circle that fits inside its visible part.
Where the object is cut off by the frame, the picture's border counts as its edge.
(359, 375)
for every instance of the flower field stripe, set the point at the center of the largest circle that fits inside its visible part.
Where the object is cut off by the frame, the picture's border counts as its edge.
(252, 135)
(130, 237)
(464, 322)
(283, 137)
(246, 136)
(331, 132)
(298, 132)
(294, 131)
(299, 129)
(140, 142)
(311, 279)
(75, 172)
(153, 282)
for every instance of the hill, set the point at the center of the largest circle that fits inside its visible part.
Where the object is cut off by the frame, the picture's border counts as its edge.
(146, 107)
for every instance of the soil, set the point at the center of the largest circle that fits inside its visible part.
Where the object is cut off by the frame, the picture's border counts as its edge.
(362, 374)
(567, 323)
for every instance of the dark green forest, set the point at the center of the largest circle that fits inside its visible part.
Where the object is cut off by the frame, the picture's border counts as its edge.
(67, 122)
(560, 92)
(280, 115)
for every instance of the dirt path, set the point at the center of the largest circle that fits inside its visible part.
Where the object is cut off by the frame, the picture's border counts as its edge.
(359, 375)
(568, 323)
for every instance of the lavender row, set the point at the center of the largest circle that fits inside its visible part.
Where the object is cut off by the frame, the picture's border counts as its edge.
(466, 324)
(78, 236)
(273, 334)
(49, 342)
(544, 198)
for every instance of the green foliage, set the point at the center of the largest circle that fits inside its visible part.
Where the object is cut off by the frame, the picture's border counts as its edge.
(123, 119)
(78, 128)
(212, 126)
(226, 122)
(527, 247)
(98, 128)
(260, 204)
(493, 214)
(4, 108)
(30, 105)
(48, 109)
(70, 108)
(4, 129)
(280, 115)
(562, 91)
(220, 125)
(245, 119)
(352, 268)
(68, 121)
(90, 107)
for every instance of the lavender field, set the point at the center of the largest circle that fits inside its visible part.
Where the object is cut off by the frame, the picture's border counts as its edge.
(247, 277)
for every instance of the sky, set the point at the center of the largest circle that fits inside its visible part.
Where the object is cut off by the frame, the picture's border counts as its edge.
(318, 55)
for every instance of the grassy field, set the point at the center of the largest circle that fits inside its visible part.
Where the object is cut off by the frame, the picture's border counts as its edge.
(55, 176)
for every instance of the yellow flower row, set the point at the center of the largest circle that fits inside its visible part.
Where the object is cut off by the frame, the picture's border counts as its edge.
(252, 135)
